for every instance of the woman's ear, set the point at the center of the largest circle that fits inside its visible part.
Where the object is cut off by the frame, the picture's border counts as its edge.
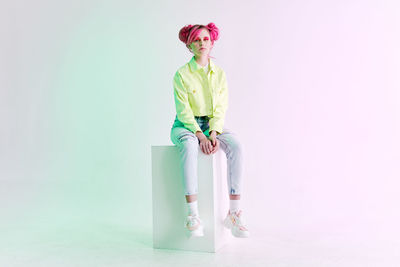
(188, 47)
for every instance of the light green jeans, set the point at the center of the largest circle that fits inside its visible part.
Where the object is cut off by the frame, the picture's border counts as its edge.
(188, 145)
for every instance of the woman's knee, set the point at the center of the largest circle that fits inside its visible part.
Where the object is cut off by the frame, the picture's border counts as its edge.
(187, 140)
(236, 146)
(233, 144)
(181, 135)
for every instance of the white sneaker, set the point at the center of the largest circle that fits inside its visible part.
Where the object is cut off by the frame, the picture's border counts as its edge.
(194, 226)
(234, 222)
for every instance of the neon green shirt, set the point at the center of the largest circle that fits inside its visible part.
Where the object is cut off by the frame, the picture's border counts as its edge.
(197, 93)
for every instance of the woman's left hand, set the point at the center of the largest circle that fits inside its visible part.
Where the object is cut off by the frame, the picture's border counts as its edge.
(214, 141)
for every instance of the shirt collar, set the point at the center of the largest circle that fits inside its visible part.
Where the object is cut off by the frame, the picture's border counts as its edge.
(195, 67)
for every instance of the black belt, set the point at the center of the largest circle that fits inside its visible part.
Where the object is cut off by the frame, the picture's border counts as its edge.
(201, 117)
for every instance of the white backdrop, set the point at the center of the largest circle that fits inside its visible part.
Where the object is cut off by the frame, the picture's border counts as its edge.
(86, 89)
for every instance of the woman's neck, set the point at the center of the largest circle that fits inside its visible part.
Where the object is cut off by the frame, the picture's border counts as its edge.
(202, 61)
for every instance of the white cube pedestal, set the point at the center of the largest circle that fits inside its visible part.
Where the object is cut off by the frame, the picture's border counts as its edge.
(169, 204)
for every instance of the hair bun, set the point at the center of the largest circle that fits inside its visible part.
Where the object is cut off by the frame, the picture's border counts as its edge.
(184, 33)
(214, 31)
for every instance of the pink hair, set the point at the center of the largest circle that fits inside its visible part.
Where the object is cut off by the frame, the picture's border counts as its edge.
(190, 32)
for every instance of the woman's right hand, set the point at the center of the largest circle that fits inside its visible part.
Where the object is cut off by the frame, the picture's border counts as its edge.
(205, 143)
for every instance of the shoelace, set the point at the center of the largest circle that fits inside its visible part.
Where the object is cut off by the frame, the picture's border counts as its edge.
(192, 222)
(236, 220)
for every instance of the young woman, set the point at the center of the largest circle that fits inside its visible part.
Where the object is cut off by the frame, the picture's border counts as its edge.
(201, 100)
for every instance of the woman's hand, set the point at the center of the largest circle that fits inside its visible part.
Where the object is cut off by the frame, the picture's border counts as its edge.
(214, 141)
(205, 144)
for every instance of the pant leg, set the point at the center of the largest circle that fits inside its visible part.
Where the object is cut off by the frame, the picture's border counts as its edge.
(188, 146)
(230, 144)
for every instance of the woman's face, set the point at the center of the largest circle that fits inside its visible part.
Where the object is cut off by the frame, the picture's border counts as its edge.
(202, 44)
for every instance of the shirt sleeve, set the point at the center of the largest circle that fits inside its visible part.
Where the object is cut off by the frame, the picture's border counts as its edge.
(183, 110)
(218, 119)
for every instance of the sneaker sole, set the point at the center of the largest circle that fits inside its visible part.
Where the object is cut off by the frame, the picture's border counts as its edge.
(199, 232)
(241, 235)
